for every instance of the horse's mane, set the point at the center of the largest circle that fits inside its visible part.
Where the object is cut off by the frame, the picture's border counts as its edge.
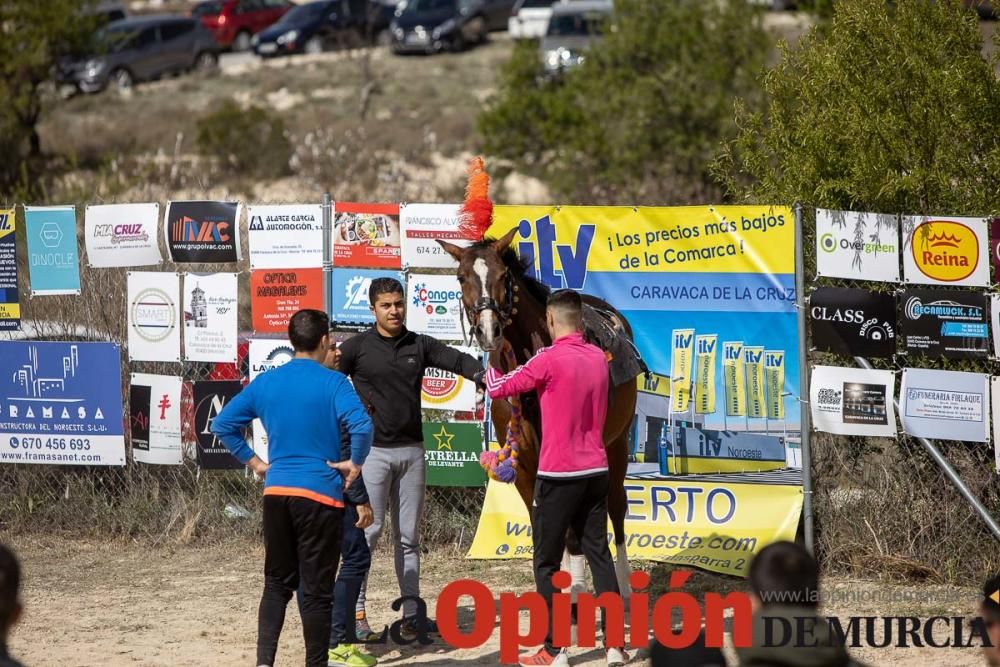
(519, 268)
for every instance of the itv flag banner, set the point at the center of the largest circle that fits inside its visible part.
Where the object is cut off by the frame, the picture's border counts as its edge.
(704, 386)
(774, 380)
(726, 271)
(732, 370)
(753, 369)
(53, 259)
(681, 369)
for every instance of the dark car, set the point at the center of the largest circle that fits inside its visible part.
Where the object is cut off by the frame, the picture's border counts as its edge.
(235, 22)
(140, 49)
(323, 25)
(430, 26)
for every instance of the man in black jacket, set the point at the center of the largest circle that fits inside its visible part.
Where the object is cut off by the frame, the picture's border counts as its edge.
(386, 364)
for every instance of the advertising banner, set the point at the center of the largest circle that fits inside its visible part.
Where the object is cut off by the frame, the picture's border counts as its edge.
(122, 234)
(452, 454)
(726, 271)
(995, 387)
(349, 291)
(10, 299)
(853, 401)
(753, 370)
(265, 354)
(61, 403)
(155, 419)
(709, 525)
(434, 305)
(286, 236)
(945, 251)
(210, 317)
(939, 323)
(853, 322)
(995, 245)
(861, 246)
(442, 390)
(945, 405)
(154, 316)
(366, 235)
(704, 384)
(210, 397)
(774, 379)
(681, 369)
(734, 380)
(276, 295)
(203, 231)
(53, 259)
(422, 225)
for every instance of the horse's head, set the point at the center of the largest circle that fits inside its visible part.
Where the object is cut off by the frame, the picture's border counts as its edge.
(487, 287)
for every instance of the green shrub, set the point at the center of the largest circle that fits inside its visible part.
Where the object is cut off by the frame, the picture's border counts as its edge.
(251, 142)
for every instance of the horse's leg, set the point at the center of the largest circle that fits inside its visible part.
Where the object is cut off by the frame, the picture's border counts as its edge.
(617, 508)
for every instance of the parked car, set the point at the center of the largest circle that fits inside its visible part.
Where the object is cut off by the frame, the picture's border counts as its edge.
(140, 49)
(430, 26)
(235, 22)
(573, 28)
(323, 25)
(107, 12)
(529, 19)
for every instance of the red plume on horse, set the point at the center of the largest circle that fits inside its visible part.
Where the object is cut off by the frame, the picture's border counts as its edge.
(504, 306)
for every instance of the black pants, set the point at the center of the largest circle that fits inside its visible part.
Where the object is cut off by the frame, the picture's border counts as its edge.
(301, 540)
(580, 503)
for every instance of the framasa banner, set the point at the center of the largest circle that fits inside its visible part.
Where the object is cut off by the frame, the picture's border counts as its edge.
(725, 271)
(709, 525)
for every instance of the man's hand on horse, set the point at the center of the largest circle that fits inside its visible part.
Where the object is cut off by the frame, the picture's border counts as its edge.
(348, 471)
(536, 342)
(365, 516)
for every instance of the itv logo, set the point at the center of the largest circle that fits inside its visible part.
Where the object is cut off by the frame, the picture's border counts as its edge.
(682, 340)
(541, 253)
(706, 345)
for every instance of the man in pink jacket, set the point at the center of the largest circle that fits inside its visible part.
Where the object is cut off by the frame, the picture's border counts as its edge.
(571, 378)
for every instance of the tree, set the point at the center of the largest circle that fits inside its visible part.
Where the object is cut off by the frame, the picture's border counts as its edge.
(34, 34)
(641, 118)
(890, 107)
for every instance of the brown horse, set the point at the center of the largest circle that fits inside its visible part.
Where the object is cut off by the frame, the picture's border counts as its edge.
(502, 302)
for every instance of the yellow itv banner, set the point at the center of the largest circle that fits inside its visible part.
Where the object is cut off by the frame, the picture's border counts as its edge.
(709, 525)
(681, 369)
(654, 383)
(774, 374)
(735, 385)
(704, 383)
(753, 368)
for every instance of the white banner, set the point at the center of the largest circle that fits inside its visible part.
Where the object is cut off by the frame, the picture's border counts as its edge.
(155, 418)
(122, 234)
(434, 305)
(265, 354)
(286, 237)
(421, 225)
(942, 250)
(154, 316)
(862, 246)
(995, 322)
(442, 390)
(210, 317)
(945, 405)
(853, 401)
(995, 386)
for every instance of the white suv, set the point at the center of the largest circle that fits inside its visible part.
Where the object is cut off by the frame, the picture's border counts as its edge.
(529, 19)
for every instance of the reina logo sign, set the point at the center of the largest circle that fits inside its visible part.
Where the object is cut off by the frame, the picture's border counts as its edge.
(945, 250)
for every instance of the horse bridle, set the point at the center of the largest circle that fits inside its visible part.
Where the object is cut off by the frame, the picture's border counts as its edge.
(484, 303)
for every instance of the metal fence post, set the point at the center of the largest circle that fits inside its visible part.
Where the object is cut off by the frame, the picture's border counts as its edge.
(804, 427)
(327, 255)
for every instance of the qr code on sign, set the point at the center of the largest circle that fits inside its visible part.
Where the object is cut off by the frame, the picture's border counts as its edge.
(828, 397)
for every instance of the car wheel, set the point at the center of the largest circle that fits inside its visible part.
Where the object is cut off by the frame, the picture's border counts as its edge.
(242, 41)
(206, 62)
(480, 30)
(313, 46)
(122, 80)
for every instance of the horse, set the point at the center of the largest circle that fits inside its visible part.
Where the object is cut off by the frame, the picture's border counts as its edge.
(502, 302)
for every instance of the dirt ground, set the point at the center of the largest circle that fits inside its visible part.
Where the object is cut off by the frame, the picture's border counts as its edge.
(93, 603)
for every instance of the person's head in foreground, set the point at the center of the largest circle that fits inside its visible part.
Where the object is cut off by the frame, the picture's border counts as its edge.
(784, 573)
(309, 333)
(563, 313)
(10, 588)
(989, 609)
(385, 298)
(695, 655)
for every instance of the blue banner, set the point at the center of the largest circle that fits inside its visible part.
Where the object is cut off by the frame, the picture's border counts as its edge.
(349, 293)
(61, 403)
(53, 259)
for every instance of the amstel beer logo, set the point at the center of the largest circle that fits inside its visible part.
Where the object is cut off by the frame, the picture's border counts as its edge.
(945, 250)
(440, 387)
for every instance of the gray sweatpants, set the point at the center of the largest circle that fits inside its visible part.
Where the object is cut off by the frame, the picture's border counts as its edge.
(394, 478)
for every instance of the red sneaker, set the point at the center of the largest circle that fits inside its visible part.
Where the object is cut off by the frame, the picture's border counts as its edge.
(543, 657)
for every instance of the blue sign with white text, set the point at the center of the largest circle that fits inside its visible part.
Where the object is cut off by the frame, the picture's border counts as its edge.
(61, 403)
(53, 259)
(349, 293)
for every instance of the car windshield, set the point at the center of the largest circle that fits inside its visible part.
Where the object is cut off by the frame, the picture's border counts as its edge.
(114, 39)
(207, 8)
(413, 6)
(305, 13)
(577, 24)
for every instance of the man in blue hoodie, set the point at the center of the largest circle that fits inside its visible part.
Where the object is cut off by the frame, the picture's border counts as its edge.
(303, 406)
